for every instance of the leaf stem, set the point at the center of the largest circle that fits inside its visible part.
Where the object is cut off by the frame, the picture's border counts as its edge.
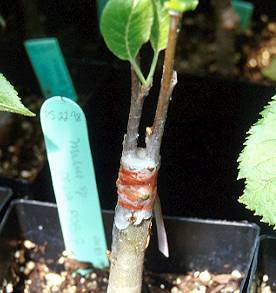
(152, 68)
(146, 82)
(138, 71)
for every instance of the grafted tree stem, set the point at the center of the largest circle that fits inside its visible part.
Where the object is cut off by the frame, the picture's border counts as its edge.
(129, 244)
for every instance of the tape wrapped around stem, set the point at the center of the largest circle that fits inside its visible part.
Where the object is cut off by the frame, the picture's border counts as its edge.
(137, 193)
(137, 189)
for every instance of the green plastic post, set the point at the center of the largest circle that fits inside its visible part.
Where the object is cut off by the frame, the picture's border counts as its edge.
(50, 68)
(244, 9)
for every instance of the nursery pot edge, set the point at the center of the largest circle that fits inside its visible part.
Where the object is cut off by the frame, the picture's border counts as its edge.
(194, 244)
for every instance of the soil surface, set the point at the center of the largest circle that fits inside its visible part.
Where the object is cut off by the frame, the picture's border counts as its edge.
(254, 47)
(264, 287)
(21, 143)
(32, 272)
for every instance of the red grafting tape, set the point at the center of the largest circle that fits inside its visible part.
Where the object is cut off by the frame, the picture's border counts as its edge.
(137, 189)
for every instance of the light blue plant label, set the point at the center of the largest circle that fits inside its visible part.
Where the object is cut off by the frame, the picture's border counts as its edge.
(68, 151)
(50, 68)
(244, 9)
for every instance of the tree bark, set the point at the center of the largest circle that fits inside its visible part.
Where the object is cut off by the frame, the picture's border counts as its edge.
(138, 94)
(127, 259)
(169, 80)
(135, 113)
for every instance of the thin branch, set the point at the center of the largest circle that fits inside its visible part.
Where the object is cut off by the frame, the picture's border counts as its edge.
(138, 93)
(168, 82)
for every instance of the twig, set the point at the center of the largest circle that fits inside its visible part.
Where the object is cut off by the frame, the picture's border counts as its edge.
(138, 94)
(169, 80)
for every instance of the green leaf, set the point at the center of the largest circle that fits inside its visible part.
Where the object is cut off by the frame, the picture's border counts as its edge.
(261, 200)
(9, 100)
(160, 26)
(257, 165)
(126, 26)
(181, 5)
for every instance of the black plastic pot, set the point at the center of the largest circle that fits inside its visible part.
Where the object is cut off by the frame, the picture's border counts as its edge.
(21, 188)
(264, 264)
(195, 244)
(5, 197)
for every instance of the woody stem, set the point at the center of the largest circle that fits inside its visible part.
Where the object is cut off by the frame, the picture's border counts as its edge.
(138, 94)
(169, 80)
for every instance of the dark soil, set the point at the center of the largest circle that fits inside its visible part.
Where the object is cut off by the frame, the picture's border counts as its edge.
(254, 47)
(32, 272)
(264, 286)
(22, 147)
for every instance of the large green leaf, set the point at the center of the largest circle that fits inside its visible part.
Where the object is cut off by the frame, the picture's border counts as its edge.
(126, 26)
(160, 26)
(257, 165)
(9, 100)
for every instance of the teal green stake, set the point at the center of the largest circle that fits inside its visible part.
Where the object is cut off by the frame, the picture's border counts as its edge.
(244, 9)
(50, 68)
(68, 151)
